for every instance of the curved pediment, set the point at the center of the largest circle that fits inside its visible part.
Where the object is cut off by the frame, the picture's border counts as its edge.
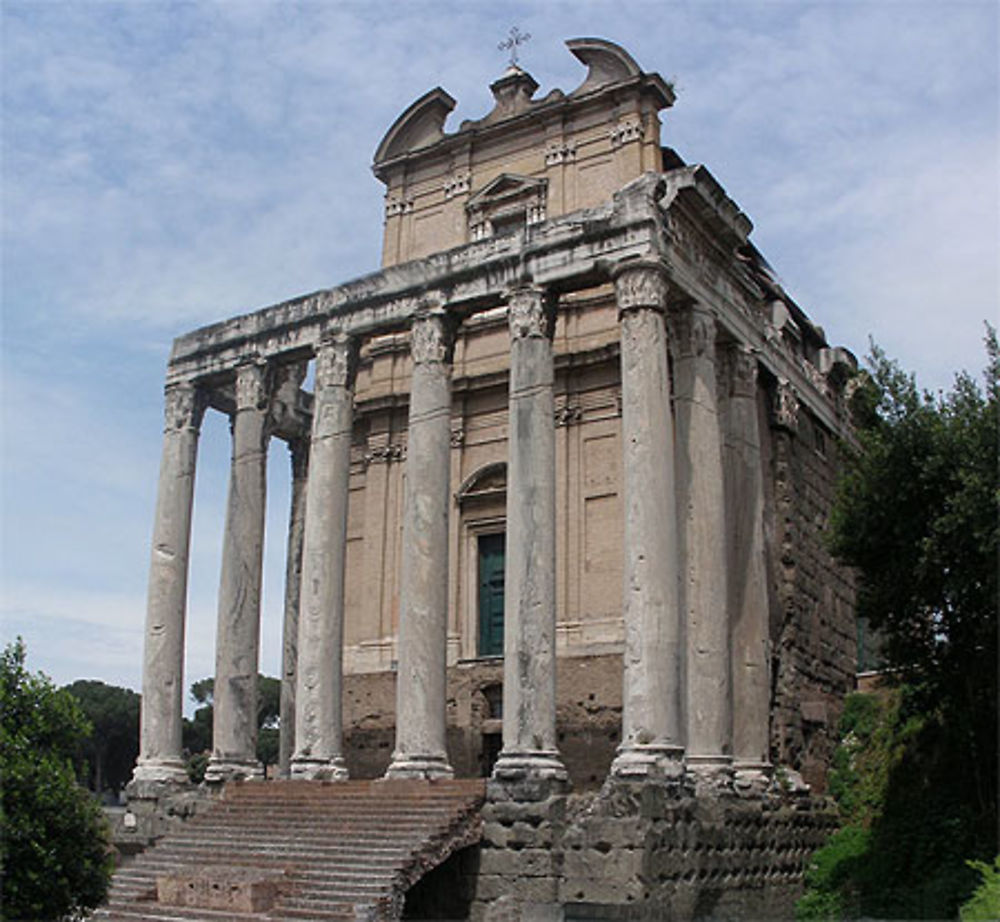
(419, 126)
(606, 62)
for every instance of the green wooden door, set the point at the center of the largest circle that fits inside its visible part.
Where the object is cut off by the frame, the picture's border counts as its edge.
(491, 595)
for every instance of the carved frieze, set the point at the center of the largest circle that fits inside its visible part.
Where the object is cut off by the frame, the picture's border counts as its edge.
(567, 414)
(456, 184)
(641, 284)
(397, 205)
(383, 454)
(336, 362)
(184, 406)
(560, 152)
(530, 312)
(626, 131)
(786, 406)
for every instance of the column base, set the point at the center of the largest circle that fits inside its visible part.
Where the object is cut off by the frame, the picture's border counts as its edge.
(434, 765)
(160, 771)
(752, 779)
(529, 765)
(221, 769)
(334, 769)
(653, 761)
(710, 774)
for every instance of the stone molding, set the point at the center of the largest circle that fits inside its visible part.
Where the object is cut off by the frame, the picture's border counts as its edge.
(383, 454)
(641, 284)
(398, 205)
(336, 362)
(530, 312)
(456, 184)
(184, 407)
(567, 414)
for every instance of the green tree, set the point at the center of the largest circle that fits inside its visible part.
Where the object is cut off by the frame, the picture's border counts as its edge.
(198, 730)
(111, 748)
(54, 850)
(916, 774)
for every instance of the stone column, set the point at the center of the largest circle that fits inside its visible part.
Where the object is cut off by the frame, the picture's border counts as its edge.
(748, 598)
(701, 503)
(299, 453)
(529, 674)
(652, 728)
(318, 703)
(234, 728)
(423, 598)
(160, 744)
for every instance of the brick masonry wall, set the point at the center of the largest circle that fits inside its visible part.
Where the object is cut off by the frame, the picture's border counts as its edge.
(814, 646)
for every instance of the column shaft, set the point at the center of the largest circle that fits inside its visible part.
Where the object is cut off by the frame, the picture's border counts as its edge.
(423, 609)
(318, 702)
(652, 728)
(160, 745)
(299, 451)
(701, 501)
(234, 729)
(529, 689)
(747, 569)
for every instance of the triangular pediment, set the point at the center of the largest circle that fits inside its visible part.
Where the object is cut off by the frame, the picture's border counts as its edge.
(507, 186)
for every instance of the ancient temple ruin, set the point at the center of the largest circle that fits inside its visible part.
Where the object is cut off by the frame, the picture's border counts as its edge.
(558, 496)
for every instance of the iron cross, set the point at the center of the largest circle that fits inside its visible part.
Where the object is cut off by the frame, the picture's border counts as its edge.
(510, 44)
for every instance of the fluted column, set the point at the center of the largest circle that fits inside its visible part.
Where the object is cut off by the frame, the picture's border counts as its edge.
(701, 502)
(160, 746)
(652, 727)
(318, 702)
(423, 606)
(234, 728)
(748, 599)
(529, 687)
(299, 454)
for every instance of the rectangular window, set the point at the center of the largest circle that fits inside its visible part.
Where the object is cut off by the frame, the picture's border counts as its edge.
(491, 564)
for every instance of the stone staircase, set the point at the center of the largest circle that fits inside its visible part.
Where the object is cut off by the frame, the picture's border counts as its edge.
(300, 850)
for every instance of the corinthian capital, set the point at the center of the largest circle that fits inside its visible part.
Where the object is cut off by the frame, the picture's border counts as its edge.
(251, 386)
(530, 312)
(740, 371)
(431, 338)
(641, 284)
(693, 330)
(336, 361)
(183, 407)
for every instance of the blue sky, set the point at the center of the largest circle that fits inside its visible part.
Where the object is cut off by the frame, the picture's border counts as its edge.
(166, 165)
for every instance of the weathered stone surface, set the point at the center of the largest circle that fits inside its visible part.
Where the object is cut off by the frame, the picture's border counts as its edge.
(652, 729)
(224, 889)
(234, 730)
(529, 691)
(701, 503)
(318, 729)
(160, 757)
(299, 453)
(421, 746)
